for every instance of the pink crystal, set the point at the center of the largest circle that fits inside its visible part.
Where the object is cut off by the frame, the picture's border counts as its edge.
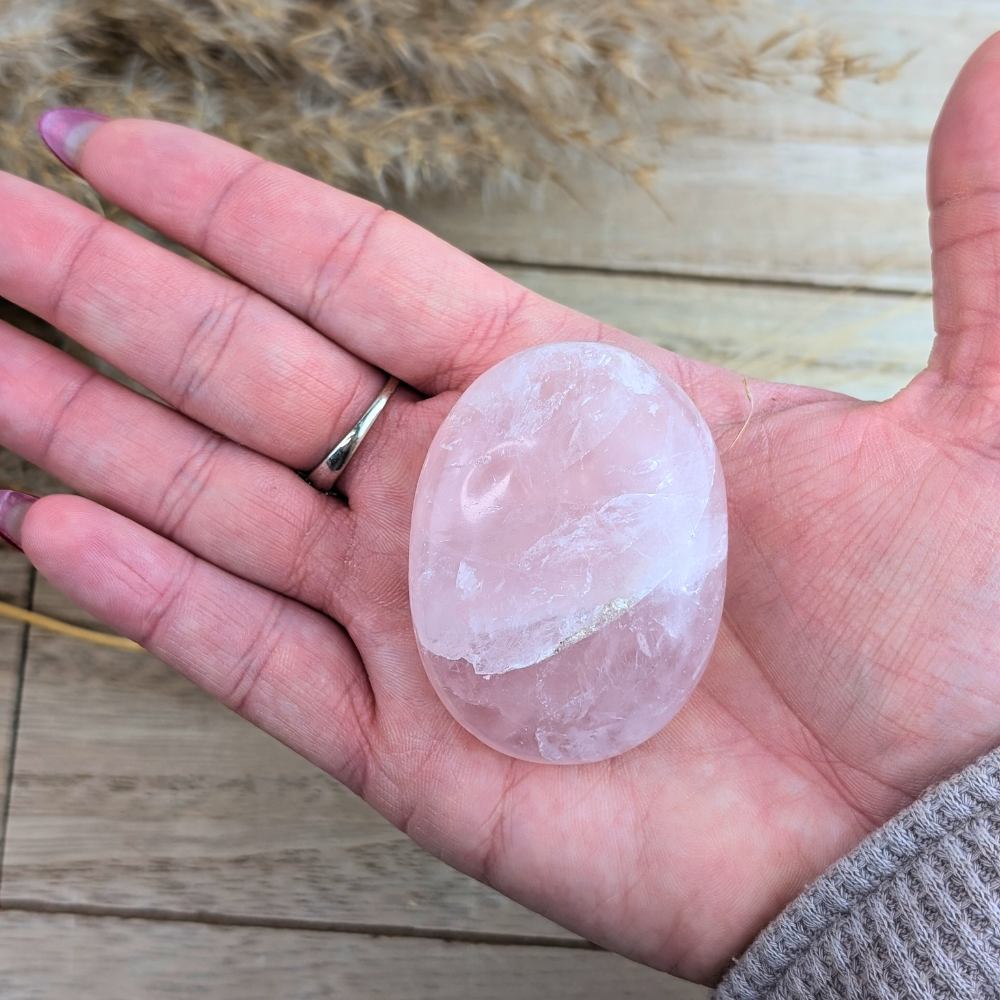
(568, 553)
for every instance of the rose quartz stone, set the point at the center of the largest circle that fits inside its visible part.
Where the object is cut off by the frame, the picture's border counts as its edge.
(568, 553)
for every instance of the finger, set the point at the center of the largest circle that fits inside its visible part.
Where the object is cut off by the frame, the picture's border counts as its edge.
(286, 668)
(964, 199)
(225, 504)
(381, 286)
(221, 353)
(228, 505)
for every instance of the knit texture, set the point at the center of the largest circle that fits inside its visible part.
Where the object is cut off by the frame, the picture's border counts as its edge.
(912, 913)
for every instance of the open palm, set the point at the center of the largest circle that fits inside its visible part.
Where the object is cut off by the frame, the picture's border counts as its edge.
(857, 659)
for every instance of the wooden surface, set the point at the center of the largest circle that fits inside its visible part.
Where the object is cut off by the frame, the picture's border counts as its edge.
(778, 187)
(95, 959)
(867, 344)
(242, 870)
(15, 584)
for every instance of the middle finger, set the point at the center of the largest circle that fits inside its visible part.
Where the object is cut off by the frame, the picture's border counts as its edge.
(211, 347)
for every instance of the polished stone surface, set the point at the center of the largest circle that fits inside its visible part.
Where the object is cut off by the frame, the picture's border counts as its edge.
(568, 553)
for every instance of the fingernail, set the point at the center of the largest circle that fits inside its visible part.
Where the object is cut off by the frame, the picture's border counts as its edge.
(13, 507)
(65, 130)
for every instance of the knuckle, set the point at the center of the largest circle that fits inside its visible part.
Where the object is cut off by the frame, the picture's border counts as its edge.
(207, 345)
(73, 392)
(493, 325)
(187, 485)
(342, 261)
(253, 663)
(75, 263)
(161, 616)
(232, 191)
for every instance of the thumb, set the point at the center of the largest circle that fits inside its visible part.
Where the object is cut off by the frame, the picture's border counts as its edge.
(964, 201)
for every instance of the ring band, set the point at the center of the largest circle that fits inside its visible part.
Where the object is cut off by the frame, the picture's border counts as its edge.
(326, 474)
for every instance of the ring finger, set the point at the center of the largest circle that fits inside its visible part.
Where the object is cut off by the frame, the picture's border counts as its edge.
(237, 509)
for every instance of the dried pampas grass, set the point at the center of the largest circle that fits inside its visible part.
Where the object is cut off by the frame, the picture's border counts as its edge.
(393, 98)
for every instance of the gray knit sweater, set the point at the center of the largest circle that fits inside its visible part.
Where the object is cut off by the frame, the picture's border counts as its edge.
(912, 913)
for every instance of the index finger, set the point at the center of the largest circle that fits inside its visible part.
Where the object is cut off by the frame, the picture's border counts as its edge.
(374, 282)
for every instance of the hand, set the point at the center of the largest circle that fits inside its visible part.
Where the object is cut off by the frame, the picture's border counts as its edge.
(857, 659)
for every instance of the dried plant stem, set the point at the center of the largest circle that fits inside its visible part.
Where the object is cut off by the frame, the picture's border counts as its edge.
(746, 423)
(64, 628)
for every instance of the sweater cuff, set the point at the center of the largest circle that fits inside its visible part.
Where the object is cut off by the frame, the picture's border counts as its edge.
(913, 911)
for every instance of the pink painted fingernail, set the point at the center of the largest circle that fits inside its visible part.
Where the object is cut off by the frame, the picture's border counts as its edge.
(65, 130)
(13, 507)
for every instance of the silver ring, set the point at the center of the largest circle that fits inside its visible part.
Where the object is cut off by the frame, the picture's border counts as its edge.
(326, 474)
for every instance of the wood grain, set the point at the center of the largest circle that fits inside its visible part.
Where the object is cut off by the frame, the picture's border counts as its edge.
(15, 582)
(779, 187)
(62, 957)
(866, 344)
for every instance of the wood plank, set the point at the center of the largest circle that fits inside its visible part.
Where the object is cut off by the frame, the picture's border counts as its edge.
(132, 789)
(63, 957)
(777, 187)
(866, 344)
(15, 583)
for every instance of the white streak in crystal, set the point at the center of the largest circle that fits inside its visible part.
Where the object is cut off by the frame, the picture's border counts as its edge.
(603, 616)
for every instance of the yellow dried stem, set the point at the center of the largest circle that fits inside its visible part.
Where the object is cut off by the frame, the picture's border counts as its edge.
(64, 628)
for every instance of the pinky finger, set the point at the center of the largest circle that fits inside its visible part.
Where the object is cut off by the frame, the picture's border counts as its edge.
(285, 667)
